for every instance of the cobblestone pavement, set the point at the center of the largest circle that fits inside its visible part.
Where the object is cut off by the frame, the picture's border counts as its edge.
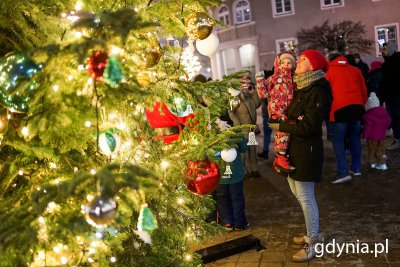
(364, 210)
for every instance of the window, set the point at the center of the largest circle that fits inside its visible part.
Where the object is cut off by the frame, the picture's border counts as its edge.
(386, 33)
(331, 3)
(287, 44)
(242, 11)
(223, 15)
(282, 7)
(247, 58)
(229, 60)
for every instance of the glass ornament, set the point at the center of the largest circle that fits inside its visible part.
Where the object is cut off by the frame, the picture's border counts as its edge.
(208, 46)
(101, 212)
(199, 25)
(97, 64)
(228, 155)
(202, 177)
(109, 143)
(179, 106)
(16, 84)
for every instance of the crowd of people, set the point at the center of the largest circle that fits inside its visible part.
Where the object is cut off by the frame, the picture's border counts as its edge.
(297, 97)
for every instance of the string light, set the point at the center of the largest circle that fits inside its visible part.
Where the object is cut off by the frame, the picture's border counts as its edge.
(188, 257)
(113, 259)
(93, 171)
(25, 131)
(164, 164)
(55, 88)
(53, 165)
(88, 124)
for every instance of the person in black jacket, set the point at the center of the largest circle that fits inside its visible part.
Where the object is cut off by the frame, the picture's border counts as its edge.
(389, 89)
(310, 105)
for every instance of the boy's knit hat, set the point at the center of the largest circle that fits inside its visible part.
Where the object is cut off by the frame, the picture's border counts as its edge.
(317, 60)
(372, 102)
(288, 56)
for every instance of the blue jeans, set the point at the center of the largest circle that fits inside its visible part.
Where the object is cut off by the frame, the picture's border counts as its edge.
(267, 134)
(230, 204)
(393, 108)
(304, 192)
(351, 130)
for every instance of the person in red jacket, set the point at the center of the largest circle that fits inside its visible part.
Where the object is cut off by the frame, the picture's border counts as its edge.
(376, 120)
(349, 97)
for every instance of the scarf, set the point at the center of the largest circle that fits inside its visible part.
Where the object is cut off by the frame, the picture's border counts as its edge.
(305, 79)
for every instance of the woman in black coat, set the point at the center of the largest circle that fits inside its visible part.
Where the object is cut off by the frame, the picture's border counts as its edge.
(310, 105)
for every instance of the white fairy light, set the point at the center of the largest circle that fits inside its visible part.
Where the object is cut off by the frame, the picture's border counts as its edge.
(93, 171)
(53, 165)
(41, 220)
(164, 164)
(78, 34)
(88, 124)
(188, 257)
(63, 260)
(81, 67)
(70, 77)
(113, 259)
(78, 5)
(20, 172)
(41, 255)
(25, 131)
(180, 200)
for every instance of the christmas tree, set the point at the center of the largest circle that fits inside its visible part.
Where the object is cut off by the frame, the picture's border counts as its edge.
(84, 179)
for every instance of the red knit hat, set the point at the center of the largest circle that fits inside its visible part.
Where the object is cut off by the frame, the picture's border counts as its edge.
(317, 60)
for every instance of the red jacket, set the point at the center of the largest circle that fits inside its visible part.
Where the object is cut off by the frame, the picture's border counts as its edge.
(348, 85)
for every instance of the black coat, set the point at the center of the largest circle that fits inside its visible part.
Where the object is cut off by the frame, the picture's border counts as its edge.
(306, 113)
(390, 81)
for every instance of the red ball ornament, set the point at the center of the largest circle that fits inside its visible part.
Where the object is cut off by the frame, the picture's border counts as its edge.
(202, 176)
(97, 63)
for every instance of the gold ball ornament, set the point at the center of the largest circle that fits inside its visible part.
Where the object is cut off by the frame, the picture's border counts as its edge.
(151, 58)
(199, 25)
(143, 78)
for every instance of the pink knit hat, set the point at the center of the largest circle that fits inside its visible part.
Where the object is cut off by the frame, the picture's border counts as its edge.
(317, 60)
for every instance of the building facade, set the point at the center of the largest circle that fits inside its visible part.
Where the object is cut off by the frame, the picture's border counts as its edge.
(259, 29)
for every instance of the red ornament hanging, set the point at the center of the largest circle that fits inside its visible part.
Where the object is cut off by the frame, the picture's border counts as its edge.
(97, 64)
(202, 176)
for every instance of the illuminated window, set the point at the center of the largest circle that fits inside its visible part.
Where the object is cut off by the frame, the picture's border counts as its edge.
(242, 11)
(384, 34)
(331, 3)
(223, 15)
(282, 7)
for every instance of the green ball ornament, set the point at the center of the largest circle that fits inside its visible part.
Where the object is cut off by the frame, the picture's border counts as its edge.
(179, 105)
(16, 84)
(113, 72)
(109, 143)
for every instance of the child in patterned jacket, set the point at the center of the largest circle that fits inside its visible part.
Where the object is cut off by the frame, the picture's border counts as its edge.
(278, 90)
